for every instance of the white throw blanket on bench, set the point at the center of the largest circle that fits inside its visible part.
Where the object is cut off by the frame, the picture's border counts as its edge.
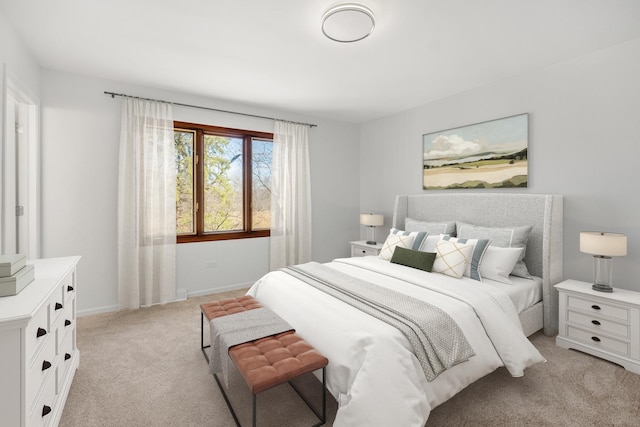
(238, 328)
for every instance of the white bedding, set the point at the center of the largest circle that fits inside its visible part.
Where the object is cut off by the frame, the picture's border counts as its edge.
(523, 293)
(372, 372)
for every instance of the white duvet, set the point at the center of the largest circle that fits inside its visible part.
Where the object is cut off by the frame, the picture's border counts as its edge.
(372, 372)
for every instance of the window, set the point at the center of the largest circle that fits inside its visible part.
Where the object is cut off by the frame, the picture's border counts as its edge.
(223, 182)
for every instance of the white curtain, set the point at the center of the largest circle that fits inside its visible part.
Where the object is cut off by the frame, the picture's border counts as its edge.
(290, 196)
(146, 205)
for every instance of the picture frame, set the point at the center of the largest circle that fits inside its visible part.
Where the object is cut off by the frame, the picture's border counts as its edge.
(490, 154)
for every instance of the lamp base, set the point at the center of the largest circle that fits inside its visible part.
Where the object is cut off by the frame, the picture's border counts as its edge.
(602, 287)
(371, 242)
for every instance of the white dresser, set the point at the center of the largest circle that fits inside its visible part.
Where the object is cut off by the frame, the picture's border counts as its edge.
(38, 354)
(606, 325)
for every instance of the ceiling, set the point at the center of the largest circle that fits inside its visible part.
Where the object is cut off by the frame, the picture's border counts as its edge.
(271, 53)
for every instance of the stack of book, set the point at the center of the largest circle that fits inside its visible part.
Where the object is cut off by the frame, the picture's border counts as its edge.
(15, 274)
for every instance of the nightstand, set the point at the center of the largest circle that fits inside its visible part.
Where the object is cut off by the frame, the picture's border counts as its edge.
(362, 248)
(606, 325)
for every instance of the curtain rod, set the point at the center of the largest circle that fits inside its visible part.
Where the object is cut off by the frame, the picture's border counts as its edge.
(113, 95)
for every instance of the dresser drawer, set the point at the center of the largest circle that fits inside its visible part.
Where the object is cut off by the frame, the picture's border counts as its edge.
(64, 360)
(56, 306)
(67, 323)
(37, 332)
(599, 341)
(40, 370)
(597, 323)
(621, 313)
(41, 413)
(69, 286)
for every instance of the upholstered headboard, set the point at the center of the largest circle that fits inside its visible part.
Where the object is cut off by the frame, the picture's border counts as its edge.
(542, 211)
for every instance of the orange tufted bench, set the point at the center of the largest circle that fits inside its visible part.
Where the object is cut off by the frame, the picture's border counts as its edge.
(267, 362)
(223, 308)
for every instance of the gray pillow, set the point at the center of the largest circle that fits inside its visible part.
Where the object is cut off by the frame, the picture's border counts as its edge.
(504, 237)
(443, 227)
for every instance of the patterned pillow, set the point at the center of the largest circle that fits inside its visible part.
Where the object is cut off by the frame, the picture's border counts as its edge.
(418, 237)
(392, 241)
(504, 237)
(452, 258)
(479, 248)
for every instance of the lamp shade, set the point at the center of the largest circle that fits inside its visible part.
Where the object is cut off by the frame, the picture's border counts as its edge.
(372, 220)
(604, 244)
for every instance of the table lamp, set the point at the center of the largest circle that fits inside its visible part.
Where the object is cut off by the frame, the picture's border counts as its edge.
(603, 246)
(372, 221)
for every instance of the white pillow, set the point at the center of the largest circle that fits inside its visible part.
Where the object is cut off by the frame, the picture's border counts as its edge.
(498, 263)
(392, 241)
(452, 258)
(429, 244)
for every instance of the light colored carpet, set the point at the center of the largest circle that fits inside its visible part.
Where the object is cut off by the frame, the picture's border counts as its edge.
(145, 368)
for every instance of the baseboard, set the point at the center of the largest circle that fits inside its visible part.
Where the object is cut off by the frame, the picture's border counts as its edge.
(182, 294)
(98, 310)
(217, 290)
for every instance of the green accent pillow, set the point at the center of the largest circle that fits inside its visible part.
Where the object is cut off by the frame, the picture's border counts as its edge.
(415, 259)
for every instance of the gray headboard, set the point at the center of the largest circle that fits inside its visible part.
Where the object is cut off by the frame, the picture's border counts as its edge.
(542, 211)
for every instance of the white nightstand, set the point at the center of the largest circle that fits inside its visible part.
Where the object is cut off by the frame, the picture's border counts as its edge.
(606, 325)
(362, 248)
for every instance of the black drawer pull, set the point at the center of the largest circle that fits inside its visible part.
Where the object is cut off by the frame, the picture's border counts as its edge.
(58, 306)
(67, 356)
(69, 288)
(41, 332)
(45, 410)
(46, 365)
(596, 339)
(595, 322)
(67, 322)
(595, 307)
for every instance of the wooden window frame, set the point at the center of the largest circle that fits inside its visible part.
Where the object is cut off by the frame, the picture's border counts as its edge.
(247, 136)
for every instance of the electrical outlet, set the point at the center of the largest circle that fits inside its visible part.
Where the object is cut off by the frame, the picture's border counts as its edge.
(210, 264)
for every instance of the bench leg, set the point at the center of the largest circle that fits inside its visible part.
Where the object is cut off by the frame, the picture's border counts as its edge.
(228, 402)
(202, 346)
(322, 415)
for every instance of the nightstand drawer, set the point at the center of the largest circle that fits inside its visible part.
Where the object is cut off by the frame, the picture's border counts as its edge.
(599, 341)
(603, 309)
(360, 251)
(596, 323)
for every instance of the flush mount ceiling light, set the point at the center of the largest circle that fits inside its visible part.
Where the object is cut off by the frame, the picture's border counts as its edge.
(348, 22)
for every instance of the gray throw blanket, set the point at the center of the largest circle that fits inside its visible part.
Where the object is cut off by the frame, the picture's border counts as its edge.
(436, 339)
(238, 328)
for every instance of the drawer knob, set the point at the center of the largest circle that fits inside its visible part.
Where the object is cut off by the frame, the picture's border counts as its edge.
(595, 307)
(69, 288)
(58, 306)
(67, 356)
(67, 322)
(41, 332)
(595, 322)
(46, 365)
(596, 339)
(45, 410)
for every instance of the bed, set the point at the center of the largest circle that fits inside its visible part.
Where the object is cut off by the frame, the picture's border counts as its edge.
(373, 373)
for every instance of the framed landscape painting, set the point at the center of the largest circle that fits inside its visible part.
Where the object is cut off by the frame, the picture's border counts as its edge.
(491, 154)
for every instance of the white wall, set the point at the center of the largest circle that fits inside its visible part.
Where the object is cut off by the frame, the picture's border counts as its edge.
(81, 129)
(583, 143)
